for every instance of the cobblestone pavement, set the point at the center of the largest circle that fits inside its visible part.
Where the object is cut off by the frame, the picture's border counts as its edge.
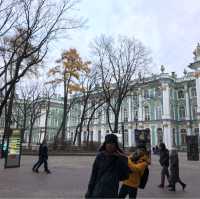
(70, 176)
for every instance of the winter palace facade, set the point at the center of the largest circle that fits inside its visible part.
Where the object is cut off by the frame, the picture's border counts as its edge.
(169, 106)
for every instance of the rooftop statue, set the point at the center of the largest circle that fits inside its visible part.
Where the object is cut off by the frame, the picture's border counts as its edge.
(197, 53)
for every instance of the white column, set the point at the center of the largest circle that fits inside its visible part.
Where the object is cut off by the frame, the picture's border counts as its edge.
(187, 103)
(140, 106)
(167, 130)
(189, 131)
(129, 109)
(166, 101)
(167, 136)
(130, 137)
(42, 118)
(198, 98)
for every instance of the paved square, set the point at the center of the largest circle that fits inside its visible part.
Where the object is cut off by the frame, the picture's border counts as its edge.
(70, 175)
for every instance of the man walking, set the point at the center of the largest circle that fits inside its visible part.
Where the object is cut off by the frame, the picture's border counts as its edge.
(43, 157)
(164, 162)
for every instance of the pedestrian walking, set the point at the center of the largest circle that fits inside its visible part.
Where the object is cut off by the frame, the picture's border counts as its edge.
(43, 158)
(164, 162)
(109, 168)
(174, 171)
(137, 162)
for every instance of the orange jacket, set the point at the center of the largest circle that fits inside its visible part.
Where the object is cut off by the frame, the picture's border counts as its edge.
(137, 171)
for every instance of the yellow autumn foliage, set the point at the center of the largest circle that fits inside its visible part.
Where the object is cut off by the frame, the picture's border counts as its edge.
(71, 66)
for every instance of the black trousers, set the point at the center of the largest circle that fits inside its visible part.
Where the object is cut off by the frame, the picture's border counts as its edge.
(164, 172)
(40, 162)
(173, 183)
(126, 190)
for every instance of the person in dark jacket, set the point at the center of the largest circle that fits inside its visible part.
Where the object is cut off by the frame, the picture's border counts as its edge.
(174, 171)
(109, 168)
(164, 162)
(43, 157)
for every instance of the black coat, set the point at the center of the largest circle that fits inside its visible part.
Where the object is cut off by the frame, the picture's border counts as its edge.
(174, 169)
(107, 172)
(43, 151)
(164, 158)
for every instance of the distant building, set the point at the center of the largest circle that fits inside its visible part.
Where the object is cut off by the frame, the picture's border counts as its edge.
(169, 106)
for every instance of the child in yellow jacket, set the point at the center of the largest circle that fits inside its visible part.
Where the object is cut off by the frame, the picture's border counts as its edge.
(137, 162)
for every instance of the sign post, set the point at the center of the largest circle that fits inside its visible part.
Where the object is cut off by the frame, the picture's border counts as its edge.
(13, 150)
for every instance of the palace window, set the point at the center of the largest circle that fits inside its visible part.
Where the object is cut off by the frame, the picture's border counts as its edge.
(193, 92)
(125, 115)
(157, 92)
(158, 113)
(91, 136)
(194, 112)
(135, 114)
(99, 117)
(99, 136)
(196, 131)
(126, 137)
(181, 112)
(181, 94)
(146, 113)
(146, 94)
(85, 136)
(183, 136)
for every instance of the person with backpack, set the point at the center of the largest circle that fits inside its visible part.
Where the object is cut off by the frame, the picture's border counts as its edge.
(164, 162)
(138, 163)
(174, 171)
(109, 168)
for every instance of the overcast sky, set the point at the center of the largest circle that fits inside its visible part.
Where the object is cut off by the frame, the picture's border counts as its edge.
(170, 29)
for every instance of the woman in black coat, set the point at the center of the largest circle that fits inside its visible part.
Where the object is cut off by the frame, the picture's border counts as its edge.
(109, 168)
(174, 171)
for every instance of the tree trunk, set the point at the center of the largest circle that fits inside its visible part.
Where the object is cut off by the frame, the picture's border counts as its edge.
(46, 118)
(30, 136)
(24, 127)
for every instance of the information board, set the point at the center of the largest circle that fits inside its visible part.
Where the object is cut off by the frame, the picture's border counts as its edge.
(143, 137)
(13, 152)
(192, 147)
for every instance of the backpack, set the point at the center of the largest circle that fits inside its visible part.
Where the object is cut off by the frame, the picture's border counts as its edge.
(144, 178)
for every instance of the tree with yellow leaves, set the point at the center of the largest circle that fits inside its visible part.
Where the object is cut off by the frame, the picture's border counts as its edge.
(68, 72)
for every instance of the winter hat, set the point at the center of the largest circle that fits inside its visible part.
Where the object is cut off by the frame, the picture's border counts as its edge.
(111, 139)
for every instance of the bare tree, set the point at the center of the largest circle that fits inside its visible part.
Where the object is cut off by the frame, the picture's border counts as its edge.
(26, 36)
(118, 64)
(48, 93)
(23, 108)
(89, 99)
(28, 108)
(37, 103)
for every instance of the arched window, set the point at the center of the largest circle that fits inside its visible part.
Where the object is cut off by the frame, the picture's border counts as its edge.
(146, 113)
(181, 112)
